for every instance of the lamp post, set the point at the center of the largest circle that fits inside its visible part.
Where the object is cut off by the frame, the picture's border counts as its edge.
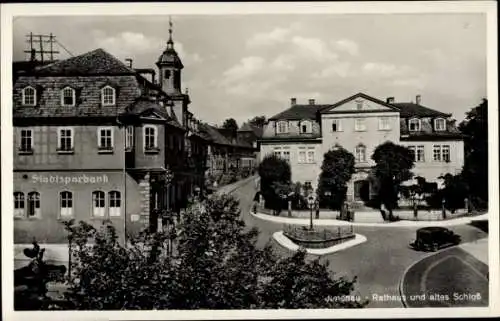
(310, 201)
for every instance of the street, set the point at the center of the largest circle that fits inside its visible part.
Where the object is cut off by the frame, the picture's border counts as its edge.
(379, 263)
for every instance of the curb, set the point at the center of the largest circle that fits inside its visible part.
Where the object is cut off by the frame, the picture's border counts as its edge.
(359, 239)
(331, 222)
(237, 185)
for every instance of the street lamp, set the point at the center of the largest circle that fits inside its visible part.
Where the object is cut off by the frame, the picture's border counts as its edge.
(311, 201)
(167, 178)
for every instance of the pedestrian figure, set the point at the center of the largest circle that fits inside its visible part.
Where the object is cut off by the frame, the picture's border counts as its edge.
(256, 200)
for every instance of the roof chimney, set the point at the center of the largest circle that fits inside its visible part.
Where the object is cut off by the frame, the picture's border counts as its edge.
(418, 99)
(311, 101)
(129, 60)
(390, 100)
(33, 55)
(293, 101)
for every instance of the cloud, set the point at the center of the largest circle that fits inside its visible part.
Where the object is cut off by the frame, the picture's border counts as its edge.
(315, 48)
(347, 45)
(246, 67)
(126, 43)
(277, 35)
(341, 69)
(285, 62)
(382, 69)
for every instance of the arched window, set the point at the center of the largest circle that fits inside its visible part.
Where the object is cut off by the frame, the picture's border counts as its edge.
(68, 97)
(439, 124)
(360, 153)
(98, 203)
(18, 204)
(34, 204)
(114, 203)
(414, 125)
(108, 96)
(305, 127)
(66, 204)
(29, 96)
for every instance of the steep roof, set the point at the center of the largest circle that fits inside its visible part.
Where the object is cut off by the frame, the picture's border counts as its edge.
(297, 112)
(413, 110)
(96, 62)
(247, 127)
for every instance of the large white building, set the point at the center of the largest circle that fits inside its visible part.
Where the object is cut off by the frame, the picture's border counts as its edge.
(303, 133)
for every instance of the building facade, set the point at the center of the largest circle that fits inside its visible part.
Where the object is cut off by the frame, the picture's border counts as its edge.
(303, 133)
(95, 140)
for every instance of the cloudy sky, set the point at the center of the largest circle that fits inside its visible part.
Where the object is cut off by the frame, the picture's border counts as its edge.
(242, 66)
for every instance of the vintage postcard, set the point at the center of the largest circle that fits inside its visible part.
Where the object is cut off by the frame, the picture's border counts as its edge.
(249, 160)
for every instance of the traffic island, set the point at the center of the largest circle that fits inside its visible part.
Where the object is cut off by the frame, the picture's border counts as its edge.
(318, 242)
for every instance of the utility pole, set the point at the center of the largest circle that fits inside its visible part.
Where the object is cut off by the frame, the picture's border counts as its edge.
(39, 41)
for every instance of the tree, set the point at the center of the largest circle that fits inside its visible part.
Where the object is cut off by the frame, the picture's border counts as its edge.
(231, 125)
(218, 267)
(273, 170)
(475, 170)
(336, 172)
(258, 121)
(393, 166)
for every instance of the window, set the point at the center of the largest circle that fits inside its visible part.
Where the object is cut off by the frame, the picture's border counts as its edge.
(34, 204)
(108, 96)
(68, 97)
(282, 127)
(302, 155)
(29, 96)
(360, 153)
(129, 137)
(98, 203)
(114, 203)
(359, 104)
(414, 125)
(18, 204)
(384, 123)
(446, 153)
(150, 137)
(420, 156)
(336, 125)
(286, 155)
(310, 155)
(437, 153)
(305, 127)
(26, 140)
(359, 124)
(105, 138)
(439, 124)
(282, 152)
(167, 74)
(65, 139)
(66, 203)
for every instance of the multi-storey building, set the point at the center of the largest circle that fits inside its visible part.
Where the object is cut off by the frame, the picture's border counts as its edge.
(95, 139)
(302, 134)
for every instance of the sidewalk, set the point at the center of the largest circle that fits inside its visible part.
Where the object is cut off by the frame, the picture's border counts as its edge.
(478, 249)
(334, 222)
(227, 189)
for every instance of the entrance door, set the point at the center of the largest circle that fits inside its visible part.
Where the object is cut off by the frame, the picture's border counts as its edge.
(361, 190)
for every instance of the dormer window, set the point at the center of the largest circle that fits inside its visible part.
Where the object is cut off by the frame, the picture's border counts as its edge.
(282, 127)
(414, 125)
(29, 96)
(68, 97)
(305, 127)
(108, 96)
(359, 105)
(439, 124)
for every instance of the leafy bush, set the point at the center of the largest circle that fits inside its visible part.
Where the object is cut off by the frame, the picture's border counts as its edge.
(218, 266)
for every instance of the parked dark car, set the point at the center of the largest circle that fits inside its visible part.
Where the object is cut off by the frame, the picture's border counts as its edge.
(434, 238)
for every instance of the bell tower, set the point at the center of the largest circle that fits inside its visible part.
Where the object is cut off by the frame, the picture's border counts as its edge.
(170, 67)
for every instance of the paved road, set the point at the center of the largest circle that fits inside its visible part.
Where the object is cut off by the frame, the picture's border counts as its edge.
(379, 263)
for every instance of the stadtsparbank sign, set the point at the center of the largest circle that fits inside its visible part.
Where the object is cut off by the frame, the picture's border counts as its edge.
(74, 179)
